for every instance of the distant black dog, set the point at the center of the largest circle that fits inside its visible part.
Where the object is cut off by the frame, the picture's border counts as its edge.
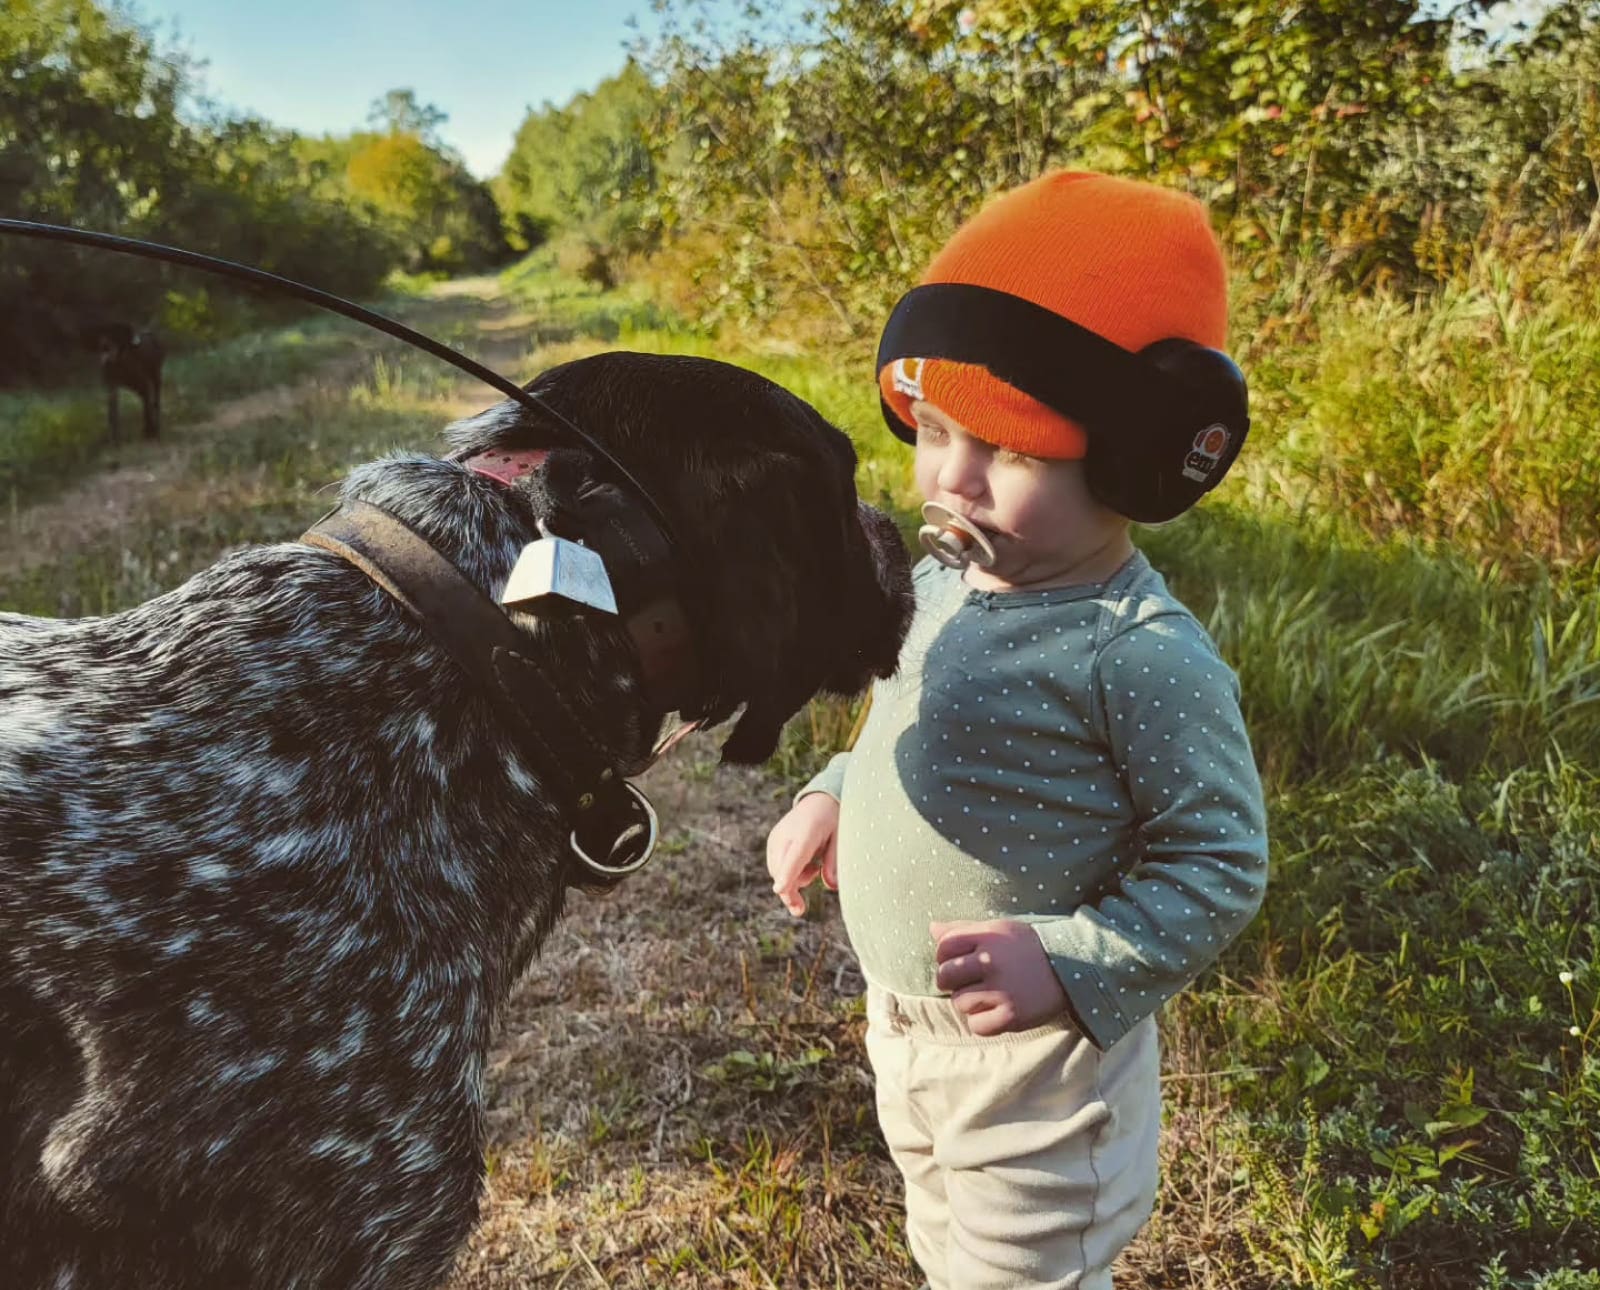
(270, 862)
(130, 360)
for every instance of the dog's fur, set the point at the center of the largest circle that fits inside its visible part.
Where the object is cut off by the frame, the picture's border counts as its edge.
(269, 864)
(130, 360)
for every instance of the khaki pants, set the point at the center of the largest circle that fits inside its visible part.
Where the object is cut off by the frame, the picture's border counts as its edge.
(1029, 1158)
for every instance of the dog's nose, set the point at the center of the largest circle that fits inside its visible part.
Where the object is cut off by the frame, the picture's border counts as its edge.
(891, 567)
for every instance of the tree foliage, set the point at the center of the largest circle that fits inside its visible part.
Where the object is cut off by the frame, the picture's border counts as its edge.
(93, 133)
(1339, 143)
(586, 167)
(419, 189)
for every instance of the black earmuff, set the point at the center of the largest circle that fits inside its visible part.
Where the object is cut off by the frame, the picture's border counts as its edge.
(1154, 469)
(1164, 424)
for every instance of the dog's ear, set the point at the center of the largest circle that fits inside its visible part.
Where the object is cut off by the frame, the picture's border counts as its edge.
(765, 535)
(874, 605)
(556, 489)
(863, 620)
(755, 734)
(746, 603)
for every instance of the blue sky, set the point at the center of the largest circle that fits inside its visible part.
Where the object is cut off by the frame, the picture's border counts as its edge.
(317, 65)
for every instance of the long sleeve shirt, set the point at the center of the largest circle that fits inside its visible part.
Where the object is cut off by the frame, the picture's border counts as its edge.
(1072, 758)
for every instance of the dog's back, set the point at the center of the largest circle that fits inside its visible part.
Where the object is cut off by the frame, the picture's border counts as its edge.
(209, 892)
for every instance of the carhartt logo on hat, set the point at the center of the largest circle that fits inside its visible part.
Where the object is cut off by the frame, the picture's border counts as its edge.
(908, 378)
(1131, 261)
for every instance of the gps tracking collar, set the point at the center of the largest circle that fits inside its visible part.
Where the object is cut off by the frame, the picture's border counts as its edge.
(1164, 423)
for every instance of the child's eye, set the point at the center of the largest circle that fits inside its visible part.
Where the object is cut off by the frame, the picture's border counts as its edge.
(930, 433)
(1012, 458)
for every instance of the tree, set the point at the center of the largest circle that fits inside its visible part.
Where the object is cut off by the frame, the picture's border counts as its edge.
(1338, 141)
(398, 112)
(426, 198)
(91, 134)
(586, 166)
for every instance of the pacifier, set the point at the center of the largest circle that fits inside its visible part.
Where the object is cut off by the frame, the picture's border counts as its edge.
(951, 540)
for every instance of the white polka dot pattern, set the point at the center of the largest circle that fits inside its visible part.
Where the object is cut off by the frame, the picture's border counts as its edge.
(1143, 848)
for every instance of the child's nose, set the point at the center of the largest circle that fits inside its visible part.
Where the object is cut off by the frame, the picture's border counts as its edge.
(961, 473)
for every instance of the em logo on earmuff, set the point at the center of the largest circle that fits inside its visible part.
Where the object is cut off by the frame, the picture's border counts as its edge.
(908, 377)
(1206, 455)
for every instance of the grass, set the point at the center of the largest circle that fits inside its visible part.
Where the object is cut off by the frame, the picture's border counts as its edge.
(1461, 420)
(1409, 1022)
(45, 441)
(1391, 1081)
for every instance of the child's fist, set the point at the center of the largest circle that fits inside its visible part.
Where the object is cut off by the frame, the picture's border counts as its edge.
(998, 975)
(802, 846)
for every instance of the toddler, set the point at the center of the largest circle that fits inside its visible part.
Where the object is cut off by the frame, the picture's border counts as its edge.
(1051, 821)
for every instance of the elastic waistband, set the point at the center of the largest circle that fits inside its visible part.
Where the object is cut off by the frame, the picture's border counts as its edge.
(934, 1017)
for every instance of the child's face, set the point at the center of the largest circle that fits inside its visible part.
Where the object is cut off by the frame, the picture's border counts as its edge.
(1038, 513)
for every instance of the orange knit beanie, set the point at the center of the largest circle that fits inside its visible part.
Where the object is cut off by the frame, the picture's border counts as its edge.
(1130, 261)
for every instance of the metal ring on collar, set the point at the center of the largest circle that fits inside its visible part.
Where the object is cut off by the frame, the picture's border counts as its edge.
(615, 871)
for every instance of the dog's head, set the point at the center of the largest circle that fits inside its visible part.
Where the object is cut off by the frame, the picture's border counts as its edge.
(106, 339)
(792, 584)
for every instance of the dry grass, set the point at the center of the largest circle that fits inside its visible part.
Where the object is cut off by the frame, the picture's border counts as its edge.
(678, 1093)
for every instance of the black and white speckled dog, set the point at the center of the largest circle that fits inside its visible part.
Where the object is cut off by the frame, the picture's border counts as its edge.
(270, 862)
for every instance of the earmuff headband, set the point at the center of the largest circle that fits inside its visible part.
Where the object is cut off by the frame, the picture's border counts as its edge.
(1065, 366)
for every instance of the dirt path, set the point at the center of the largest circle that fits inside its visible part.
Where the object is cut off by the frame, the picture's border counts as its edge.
(155, 480)
(108, 502)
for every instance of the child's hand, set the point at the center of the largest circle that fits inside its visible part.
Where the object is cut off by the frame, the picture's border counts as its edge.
(803, 845)
(998, 975)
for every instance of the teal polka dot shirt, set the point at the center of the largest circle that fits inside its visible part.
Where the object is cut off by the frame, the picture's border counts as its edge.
(1072, 758)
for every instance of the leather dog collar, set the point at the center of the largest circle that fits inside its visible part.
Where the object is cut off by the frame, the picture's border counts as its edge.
(610, 816)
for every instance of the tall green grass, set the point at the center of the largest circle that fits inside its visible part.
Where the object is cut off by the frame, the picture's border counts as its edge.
(1351, 644)
(1404, 576)
(1464, 419)
(1351, 651)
